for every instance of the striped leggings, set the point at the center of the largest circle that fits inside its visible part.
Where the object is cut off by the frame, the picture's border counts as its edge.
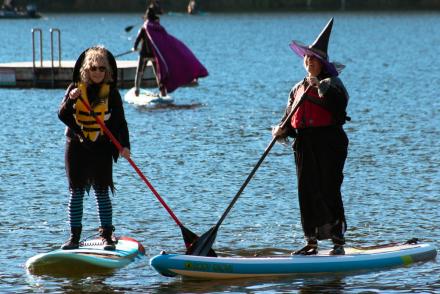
(103, 204)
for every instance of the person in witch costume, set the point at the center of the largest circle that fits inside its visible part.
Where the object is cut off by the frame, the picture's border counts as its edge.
(174, 63)
(89, 154)
(320, 145)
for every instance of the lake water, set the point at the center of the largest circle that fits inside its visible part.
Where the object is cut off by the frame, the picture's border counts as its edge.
(198, 158)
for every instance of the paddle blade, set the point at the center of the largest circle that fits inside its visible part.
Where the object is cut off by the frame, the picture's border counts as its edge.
(203, 245)
(188, 236)
(129, 28)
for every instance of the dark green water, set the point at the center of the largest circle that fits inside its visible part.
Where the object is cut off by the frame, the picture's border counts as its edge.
(198, 158)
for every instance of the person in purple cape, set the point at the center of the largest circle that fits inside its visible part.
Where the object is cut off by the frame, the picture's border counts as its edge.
(146, 52)
(156, 5)
(192, 7)
(174, 63)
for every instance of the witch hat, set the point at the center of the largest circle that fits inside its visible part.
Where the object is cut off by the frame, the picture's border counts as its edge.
(321, 43)
(318, 48)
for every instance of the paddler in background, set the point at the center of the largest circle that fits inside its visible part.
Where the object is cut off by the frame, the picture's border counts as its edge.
(9, 5)
(320, 145)
(155, 4)
(89, 153)
(146, 53)
(174, 63)
(192, 7)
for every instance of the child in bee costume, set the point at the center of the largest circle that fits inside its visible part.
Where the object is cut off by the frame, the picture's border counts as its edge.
(89, 154)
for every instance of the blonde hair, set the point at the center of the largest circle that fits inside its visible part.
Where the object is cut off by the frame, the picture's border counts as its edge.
(94, 55)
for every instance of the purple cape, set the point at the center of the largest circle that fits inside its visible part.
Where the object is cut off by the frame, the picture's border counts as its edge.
(177, 65)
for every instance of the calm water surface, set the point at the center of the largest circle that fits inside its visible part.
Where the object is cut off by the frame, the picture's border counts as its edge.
(198, 158)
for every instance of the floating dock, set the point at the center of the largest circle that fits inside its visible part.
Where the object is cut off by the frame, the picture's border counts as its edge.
(58, 74)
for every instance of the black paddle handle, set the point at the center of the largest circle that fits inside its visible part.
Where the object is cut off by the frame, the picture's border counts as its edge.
(124, 53)
(260, 161)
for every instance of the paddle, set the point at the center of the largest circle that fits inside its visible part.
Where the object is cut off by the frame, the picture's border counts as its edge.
(124, 53)
(128, 28)
(203, 245)
(188, 236)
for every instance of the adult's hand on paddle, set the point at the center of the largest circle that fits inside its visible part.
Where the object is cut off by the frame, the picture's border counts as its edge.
(277, 131)
(125, 152)
(313, 81)
(279, 134)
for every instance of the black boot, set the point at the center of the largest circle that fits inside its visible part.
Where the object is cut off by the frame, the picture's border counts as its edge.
(338, 246)
(73, 243)
(310, 249)
(106, 234)
(337, 250)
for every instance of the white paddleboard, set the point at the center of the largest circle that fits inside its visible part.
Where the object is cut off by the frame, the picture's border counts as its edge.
(90, 256)
(146, 98)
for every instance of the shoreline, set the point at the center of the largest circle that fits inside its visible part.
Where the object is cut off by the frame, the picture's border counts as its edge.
(242, 6)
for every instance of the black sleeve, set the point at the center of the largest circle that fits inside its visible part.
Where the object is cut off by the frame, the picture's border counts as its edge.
(289, 131)
(333, 97)
(118, 124)
(140, 37)
(334, 100)
(66, 111)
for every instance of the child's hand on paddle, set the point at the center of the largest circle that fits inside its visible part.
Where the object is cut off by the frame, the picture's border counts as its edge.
(74, 94)
(125, 152)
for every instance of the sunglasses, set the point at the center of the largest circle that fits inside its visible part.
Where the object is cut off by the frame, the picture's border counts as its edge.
(100, 68)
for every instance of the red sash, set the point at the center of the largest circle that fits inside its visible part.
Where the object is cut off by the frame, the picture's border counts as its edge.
(309, 114)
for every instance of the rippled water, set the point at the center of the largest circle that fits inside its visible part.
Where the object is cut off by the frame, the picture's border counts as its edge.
(198, 158)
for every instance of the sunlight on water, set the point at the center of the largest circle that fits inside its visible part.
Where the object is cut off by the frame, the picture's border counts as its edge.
(198, 157)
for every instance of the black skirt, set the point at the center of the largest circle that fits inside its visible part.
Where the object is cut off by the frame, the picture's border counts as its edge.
(320, 155)
(89, 163)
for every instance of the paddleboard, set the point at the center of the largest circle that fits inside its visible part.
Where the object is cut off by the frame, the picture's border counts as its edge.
(88, 257)
(146, 98)
(355, 259)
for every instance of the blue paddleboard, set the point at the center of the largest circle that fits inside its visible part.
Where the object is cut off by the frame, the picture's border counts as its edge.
(355, 259)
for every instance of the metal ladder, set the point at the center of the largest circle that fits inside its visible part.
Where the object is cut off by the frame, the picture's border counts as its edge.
(36, 70)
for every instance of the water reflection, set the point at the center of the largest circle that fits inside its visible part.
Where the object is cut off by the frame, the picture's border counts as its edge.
(75, 271)
(197, 158)
(290, 284)
(167, 106)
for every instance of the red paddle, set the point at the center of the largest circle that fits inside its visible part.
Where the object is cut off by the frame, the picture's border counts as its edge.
(188, 236)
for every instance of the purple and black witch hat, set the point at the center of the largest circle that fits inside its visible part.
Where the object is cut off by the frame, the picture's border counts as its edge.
(319, 49)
